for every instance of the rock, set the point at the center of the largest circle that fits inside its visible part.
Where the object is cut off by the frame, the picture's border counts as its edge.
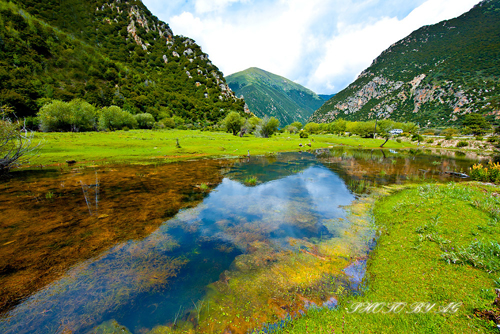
(300, 144)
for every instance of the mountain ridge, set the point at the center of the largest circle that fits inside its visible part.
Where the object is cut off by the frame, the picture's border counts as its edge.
(111, 52)
(269, 94)
(434, 76)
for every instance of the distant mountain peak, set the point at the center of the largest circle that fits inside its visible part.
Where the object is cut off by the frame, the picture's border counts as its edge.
(269, 94)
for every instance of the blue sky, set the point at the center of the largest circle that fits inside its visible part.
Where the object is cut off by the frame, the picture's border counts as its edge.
(321, 44)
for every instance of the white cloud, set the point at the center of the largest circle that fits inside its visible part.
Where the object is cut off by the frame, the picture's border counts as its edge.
(321, 44)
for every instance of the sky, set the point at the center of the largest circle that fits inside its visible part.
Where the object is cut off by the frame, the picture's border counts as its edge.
(321, 44)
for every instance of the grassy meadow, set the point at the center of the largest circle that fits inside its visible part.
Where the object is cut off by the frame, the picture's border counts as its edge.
(437, 253)
(140, 145)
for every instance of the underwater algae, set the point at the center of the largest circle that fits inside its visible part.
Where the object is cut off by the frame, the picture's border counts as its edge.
(42, 235)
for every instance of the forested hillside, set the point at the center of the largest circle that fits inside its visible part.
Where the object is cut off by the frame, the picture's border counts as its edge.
(111, 52)
(268, 94)
(434, 76)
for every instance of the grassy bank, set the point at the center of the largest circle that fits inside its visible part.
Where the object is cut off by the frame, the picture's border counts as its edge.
(438, 245)
(134, 145)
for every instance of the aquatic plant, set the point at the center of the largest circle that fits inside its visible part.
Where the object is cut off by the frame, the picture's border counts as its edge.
(204, 186)
(251, 180)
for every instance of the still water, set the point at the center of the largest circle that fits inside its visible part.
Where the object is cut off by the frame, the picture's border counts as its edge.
(204, 246)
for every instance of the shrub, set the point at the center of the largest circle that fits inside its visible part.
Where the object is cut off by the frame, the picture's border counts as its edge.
(488, 173)
(233, 122)
(145, 120)
(398, 140)
(312, 128)
(417, 138)
(169, 123)
(449, 132)
(303, 134)
(77, 115)
(267, 127)
(430, 141)
(479, 138)
(115, 118)
(462, 143)
(448, 137)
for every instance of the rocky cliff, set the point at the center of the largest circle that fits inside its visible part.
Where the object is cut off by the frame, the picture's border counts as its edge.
(434, 76)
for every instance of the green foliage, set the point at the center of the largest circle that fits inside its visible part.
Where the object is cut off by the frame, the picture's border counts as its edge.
(145, 121)
(462, 143)
(303, 134)
(297, 125)
(75, 116)
(487, 173)
(476, 124)
(312, 128)
(233, 122)
(362, 129)
(338, 126)
(115, 118)
(417, 137)
(169, 123)
(251, 124)
(267, 127)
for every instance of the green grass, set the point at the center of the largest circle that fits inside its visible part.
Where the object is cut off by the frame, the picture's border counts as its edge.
(140, 145)
(420, 226)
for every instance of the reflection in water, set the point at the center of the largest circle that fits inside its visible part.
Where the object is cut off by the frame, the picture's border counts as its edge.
(242, 257)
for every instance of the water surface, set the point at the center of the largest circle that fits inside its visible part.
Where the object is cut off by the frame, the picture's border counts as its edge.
(191, 245)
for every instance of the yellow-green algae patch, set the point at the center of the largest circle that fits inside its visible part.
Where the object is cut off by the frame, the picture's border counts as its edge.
(271, 283)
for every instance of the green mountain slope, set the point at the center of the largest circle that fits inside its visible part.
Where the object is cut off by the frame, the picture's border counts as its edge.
(108, 52)
(434, 76)
(272, 95)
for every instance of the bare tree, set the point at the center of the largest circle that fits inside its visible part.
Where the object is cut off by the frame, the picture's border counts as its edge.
(16, 144)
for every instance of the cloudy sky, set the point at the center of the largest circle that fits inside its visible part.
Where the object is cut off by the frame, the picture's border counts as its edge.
(321, 44)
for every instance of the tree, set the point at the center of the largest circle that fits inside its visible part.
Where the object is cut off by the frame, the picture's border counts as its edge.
(338, 126)
(114, 118)
(297, 125)
(312, 128)
(145, 120)
(233, 122)
(476, 124)
(15, 145)
(267, 127)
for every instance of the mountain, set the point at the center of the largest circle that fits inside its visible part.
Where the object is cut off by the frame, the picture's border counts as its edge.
(272, 95)
(434, 76)
(108, 52)
(326, 97)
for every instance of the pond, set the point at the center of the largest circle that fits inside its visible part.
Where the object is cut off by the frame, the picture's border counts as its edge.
(207, 246)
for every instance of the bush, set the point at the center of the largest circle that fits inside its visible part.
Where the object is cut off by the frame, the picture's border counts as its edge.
(479, 138)
(233, 122)
(15, 145)
(488, 173)
(493, 139)
(31, 123)
(312, 128)
(462, 143)
(145, 120)
(398, 140)
(430, 141)
(417, 138)
(303, 134)
(169, 123)
(449, 132)
(267, 127)
(77, 115)
(114, 118)
(448, 137)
